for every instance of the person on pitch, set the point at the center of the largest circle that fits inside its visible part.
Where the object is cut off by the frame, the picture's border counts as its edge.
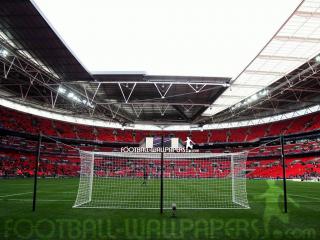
(145, 175)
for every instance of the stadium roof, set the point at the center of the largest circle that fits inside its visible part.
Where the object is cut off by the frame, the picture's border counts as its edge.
(124, 97)
(165, 37)
(28, 32)
(41, 71)
(295, 43)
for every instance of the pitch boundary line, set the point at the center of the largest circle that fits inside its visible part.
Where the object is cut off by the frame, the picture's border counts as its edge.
(58, 192)
(15, 194)
(39, 200)
(304, 196)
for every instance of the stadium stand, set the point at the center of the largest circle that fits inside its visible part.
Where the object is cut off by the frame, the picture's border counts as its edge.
(17, 154)
(26, 123)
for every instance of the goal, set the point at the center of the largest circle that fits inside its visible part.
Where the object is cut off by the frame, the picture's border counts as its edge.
(189, 180)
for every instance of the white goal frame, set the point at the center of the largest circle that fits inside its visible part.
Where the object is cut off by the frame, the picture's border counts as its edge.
(121, 180)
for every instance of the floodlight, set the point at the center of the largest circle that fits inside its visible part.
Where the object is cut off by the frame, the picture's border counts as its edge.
(4, 53)
(254, 97)
(61, 90)
(75, 98)
(70, 95)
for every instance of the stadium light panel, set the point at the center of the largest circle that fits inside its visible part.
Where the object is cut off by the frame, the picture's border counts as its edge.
(70, 95)
(253, 98)
(62, 90)
(264, 92)
(76, 99)
(4, 53)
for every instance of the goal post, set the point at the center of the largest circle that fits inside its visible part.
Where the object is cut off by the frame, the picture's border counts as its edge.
(238, 163)
(129, 180)
(232, 179)
(86, 178)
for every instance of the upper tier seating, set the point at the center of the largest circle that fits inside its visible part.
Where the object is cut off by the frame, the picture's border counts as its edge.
(22, 122)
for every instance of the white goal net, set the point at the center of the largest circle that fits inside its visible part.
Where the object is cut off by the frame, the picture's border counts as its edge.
(190, 180)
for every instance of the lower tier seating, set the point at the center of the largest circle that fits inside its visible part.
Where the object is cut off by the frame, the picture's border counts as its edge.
(67, 163)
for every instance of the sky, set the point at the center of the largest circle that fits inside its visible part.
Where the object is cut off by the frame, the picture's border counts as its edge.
(166, 37)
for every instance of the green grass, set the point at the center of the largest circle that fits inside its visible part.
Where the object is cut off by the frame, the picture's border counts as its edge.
(185, 193)
(56, 219)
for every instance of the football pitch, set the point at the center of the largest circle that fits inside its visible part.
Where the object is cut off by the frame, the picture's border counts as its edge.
(56, 219)
(185, 193)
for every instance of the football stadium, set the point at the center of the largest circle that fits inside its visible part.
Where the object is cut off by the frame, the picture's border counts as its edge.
(156, 119)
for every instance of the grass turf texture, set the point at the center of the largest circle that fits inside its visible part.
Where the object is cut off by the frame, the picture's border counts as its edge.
(56, 219)
(185, 193)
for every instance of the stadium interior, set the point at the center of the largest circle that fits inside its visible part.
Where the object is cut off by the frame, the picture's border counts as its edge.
(46, 91)
(20, 136)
